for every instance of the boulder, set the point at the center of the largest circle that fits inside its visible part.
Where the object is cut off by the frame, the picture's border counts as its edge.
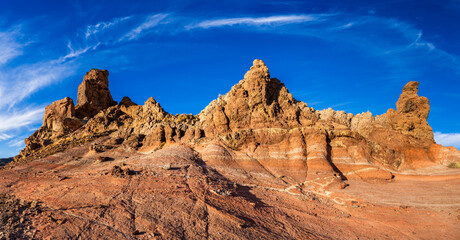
(60, 117)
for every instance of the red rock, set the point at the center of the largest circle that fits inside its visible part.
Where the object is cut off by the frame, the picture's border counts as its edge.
(59, 117)
(251, 159)
(94, 94)
(411, 113)
(259, 118)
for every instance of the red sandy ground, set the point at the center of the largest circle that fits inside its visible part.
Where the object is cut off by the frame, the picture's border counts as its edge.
(81, 199)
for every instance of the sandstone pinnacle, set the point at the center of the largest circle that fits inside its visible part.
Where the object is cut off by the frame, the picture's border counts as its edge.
(258, 71)
(411, 113)
(94, 94)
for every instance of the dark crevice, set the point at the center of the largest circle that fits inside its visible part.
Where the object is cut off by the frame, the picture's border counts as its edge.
(329, 159)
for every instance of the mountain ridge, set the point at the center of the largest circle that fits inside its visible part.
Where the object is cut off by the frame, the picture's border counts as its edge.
(245, 119)
(255, 163)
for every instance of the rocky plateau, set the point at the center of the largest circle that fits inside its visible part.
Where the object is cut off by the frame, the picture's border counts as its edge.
(254, 164)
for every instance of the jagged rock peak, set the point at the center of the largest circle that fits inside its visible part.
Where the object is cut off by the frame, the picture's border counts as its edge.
(411, 87)
(409, 101)
(152, 107)
(258, 71)
(126, 101)
(101, 75)
(94, 94)
(410, 117)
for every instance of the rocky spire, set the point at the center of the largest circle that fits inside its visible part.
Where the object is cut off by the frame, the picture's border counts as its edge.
(256, 101)
(94, 94)
(411, 113)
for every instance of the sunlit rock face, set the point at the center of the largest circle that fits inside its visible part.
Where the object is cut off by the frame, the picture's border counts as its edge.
(258, 126)
(94, 94)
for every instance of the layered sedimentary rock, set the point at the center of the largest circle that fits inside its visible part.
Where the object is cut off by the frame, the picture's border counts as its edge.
(257, 127)
(255, 163)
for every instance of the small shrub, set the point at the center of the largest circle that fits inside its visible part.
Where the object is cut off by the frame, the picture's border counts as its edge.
(454, 165)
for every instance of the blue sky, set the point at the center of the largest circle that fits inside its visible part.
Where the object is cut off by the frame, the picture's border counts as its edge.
(348, 55)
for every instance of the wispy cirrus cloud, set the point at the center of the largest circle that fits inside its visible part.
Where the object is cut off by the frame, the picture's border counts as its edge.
(9, 47)
(4, 136)
(394, 41)
(17, 143)
(102, 26)
(150, 22)
(112, 33)
(258, 21)
(17, 83)
(20, 119)
(73, 53)
(30, 78)
(448, 139)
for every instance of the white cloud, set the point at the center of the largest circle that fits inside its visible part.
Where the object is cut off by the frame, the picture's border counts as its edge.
(29, 79)
(21, 119)
(448, 139)
(251, 21)
(418, 42)
(17, 143)
(348, 25)
(9, 47)
(4, 136)
(149, 23)
(76, 53)
(101, 26)
(17, 83)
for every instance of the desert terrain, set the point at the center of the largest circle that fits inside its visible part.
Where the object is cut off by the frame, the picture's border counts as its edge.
(255, 164)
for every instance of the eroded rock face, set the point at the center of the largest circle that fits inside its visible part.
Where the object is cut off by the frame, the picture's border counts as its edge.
(94, 94)
(58, 120)
(60, 117)
(259, 126)
(225, 170)
(257, 101)
(126, 101)
(410, 117)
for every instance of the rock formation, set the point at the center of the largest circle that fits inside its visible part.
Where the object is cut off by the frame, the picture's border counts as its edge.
(410, 117)
(254, 164)
(60, 117)
(94, 94)
(256, 126)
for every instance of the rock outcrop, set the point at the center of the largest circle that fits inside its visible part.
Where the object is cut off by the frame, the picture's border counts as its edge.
(58, 120)
(94, 94)
(258, 126)
(410, 117)
(60, 117)
(255, 163)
